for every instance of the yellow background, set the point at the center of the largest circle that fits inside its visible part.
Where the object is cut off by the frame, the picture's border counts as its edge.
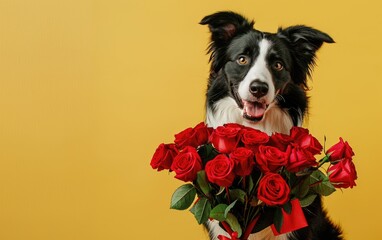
(88, 89)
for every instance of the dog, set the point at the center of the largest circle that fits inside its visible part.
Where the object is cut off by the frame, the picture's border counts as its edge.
(259, 79)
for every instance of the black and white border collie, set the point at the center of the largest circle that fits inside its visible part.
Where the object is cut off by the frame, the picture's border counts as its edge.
(259, 79)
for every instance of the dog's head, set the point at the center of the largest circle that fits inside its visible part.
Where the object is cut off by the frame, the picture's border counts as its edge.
(259, 66)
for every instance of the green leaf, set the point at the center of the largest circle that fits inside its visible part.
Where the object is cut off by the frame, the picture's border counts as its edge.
(237, 194)
(292, 178)
(308, 200)
(218, 212)
(207, 152)
(278, 219)
(201, 210)
(320, 183)
(301, 189)
(229, 208)
(326, 187)
(250, 183)
(221, 190)
(287, 207)
(201, 180)
(183, 197)
(234, 224)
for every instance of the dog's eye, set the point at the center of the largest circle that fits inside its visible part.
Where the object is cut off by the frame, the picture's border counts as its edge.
(242, 60)
(278, 66)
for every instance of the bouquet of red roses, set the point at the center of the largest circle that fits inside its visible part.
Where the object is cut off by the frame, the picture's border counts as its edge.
(239, 174)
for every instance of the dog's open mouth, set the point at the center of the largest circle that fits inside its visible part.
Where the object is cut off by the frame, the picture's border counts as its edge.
(254, 111)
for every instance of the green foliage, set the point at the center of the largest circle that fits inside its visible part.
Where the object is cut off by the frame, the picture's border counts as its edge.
(308, 200)
(183, 197)
(202, 182)
(218, 212)
(301, 189)
(201, 210)
(320, 183)
(237, 194)
(234, 224)
(287, 207)
(229, 207)
(207, 152)
(278, 219)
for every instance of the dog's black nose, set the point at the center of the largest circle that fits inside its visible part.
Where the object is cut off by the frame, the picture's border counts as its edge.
(258, 88)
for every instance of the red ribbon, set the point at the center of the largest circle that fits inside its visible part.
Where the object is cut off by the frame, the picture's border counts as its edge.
(227, 228)
(293, 221)
(233, 237)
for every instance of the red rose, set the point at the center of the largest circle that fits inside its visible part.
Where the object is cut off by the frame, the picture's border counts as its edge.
(234, 125)
(298, 132)
(163, 156)
(299, 159)
(193, 137)
(269, 158)
(343, 174)
(220, 170)
(279, 140)
(310, 143)
(187, 164)
(339, 151)
(244, 161)
(252, 138)
(226, 138)
(273, 190)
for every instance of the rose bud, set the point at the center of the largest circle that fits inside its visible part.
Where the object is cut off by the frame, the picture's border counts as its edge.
(193, 137)
(299, 159)
(244, 161)
(163, 156)
(252, 138)
(187, 164)
(270, 158)
(273, 190)
(343, 174)
(339, 151)
(225, 138)
(220, 170)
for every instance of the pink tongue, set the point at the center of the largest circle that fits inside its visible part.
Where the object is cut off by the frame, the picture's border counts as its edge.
(254, 109)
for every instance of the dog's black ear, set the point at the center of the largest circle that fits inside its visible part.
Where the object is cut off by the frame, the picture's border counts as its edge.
(304, 42)
(224, 26)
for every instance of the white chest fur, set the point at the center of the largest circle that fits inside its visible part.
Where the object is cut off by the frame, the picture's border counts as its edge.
(227, 111)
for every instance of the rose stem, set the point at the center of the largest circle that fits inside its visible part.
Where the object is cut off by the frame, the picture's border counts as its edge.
(227, 228)
(250, 227)
(227, 191)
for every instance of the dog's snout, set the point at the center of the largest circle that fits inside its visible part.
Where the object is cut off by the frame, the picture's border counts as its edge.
(258, 88)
